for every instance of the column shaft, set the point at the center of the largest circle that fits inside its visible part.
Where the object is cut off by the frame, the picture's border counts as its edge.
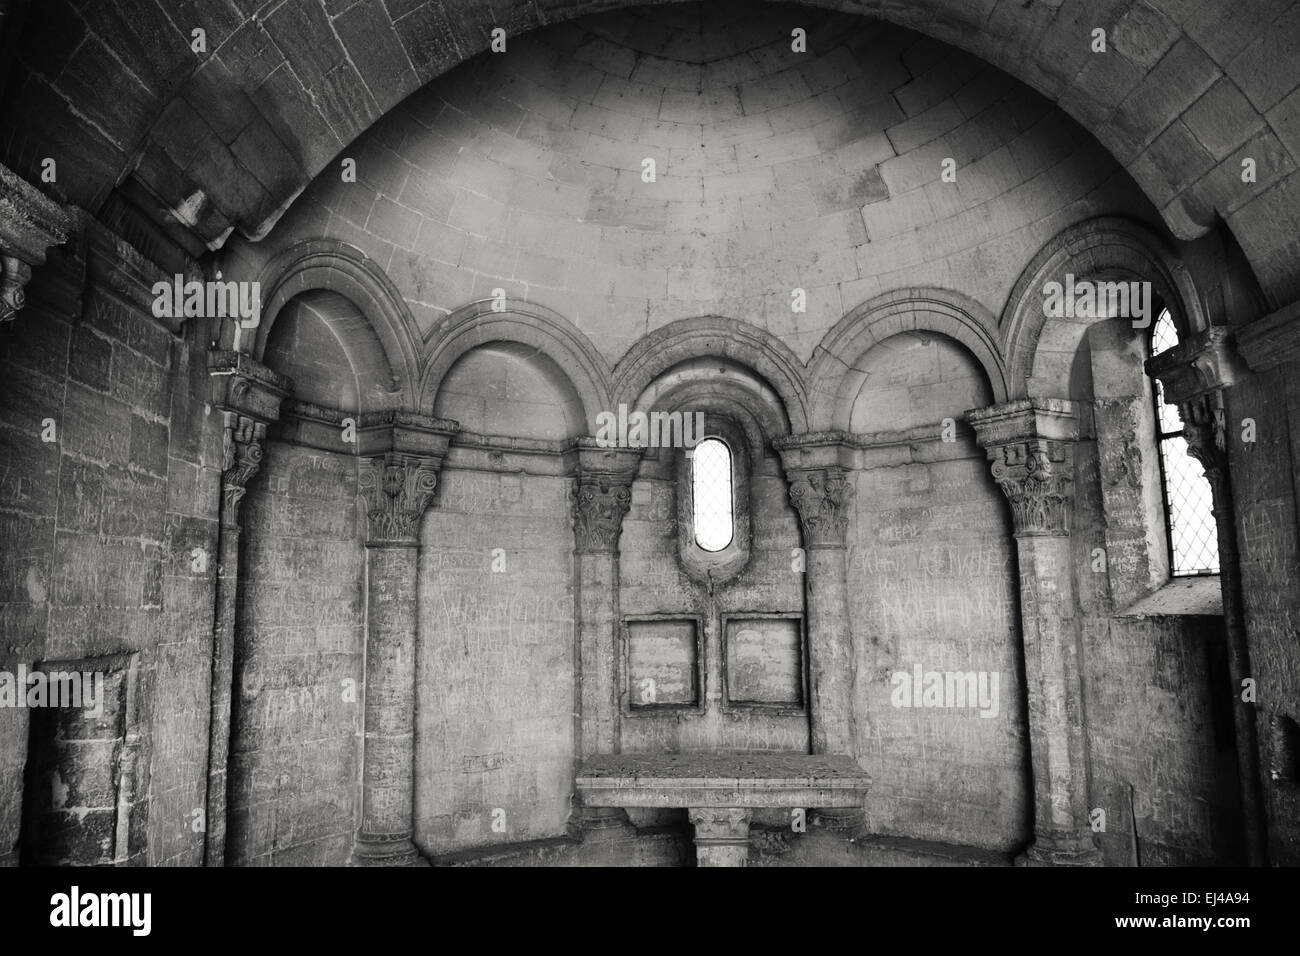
(398, 486)
(597, 615)
(1245, 730)
(830, 651)
(822, 494)
(243, 436)
(1203, 428)
(219, 721)
(388, 795)
(1030, 444)
(602, 495)
(1058, 753)
(601, 498)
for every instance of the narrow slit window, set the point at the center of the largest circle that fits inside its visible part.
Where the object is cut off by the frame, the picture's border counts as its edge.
(713, 516)
(1189, 502)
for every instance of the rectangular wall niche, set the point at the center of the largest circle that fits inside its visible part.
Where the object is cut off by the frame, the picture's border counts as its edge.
(86, 798)
(764, 660)
(661, 658)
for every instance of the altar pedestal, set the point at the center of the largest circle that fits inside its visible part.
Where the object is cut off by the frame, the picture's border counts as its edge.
(721, 789)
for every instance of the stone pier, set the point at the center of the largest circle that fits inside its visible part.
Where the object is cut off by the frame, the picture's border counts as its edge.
(1030, 443)
(402, 454)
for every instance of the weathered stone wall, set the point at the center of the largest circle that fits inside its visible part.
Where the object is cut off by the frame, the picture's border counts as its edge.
(1161, 740)
(931, 575)
(110, 531)
(524, 173)
(932, 583)
(508, 391)
(1264, 489)
(652, 583)
(1183, 92)
(495, 685)
(295, 756)
(774, 170)
(1155, 689)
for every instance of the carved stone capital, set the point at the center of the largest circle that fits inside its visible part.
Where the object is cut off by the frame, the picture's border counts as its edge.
(721, 835)
(599, 506)
(1205, 429)
(242, 443)
(14, 275)
(1193, 375)
(30, 223)
(249, 395)
(720, 824)
(401, 456)
(1030, 445)
(815, 469)
(1207, 360)
(1037, 476)
(822, 497)
(602, 495)
(397, 488)
(240, 383)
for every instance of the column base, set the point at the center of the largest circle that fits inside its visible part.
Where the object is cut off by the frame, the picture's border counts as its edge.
(604, 824)
(1061, 848)
(848, 821)
(385, 850)
(721, 835)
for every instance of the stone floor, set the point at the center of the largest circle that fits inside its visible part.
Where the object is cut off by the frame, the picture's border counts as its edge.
(673, 846)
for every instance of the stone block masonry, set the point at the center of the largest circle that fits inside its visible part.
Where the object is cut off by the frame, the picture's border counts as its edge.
(367, 588)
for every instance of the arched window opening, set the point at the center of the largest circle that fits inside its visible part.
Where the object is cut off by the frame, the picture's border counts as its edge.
(1189, 517)
(711, 494)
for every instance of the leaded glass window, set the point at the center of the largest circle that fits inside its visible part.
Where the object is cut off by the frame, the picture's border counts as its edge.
(1189, 502)
(714, 517)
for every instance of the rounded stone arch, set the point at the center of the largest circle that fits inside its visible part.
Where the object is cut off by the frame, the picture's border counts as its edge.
(744, 396)
(744, 344)
(833, 370)
(434, 38)
(1108, 247)
(331, 266)
(521, 323)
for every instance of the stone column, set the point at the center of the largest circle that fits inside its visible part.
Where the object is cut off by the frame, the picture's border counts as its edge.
(249, 395)
(1194, 375)
(601, 498)
(721, 835)
(401, 455)
(1030, 443)
(822, 494)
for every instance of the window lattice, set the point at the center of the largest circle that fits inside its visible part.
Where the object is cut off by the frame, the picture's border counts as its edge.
(1164, 335)
(712, 516)
(1189, 503)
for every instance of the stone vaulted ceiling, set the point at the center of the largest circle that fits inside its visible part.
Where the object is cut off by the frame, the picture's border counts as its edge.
(225, 140)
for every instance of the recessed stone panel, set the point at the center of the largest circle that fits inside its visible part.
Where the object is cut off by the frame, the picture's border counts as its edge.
(764, 661)
(662, 664)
